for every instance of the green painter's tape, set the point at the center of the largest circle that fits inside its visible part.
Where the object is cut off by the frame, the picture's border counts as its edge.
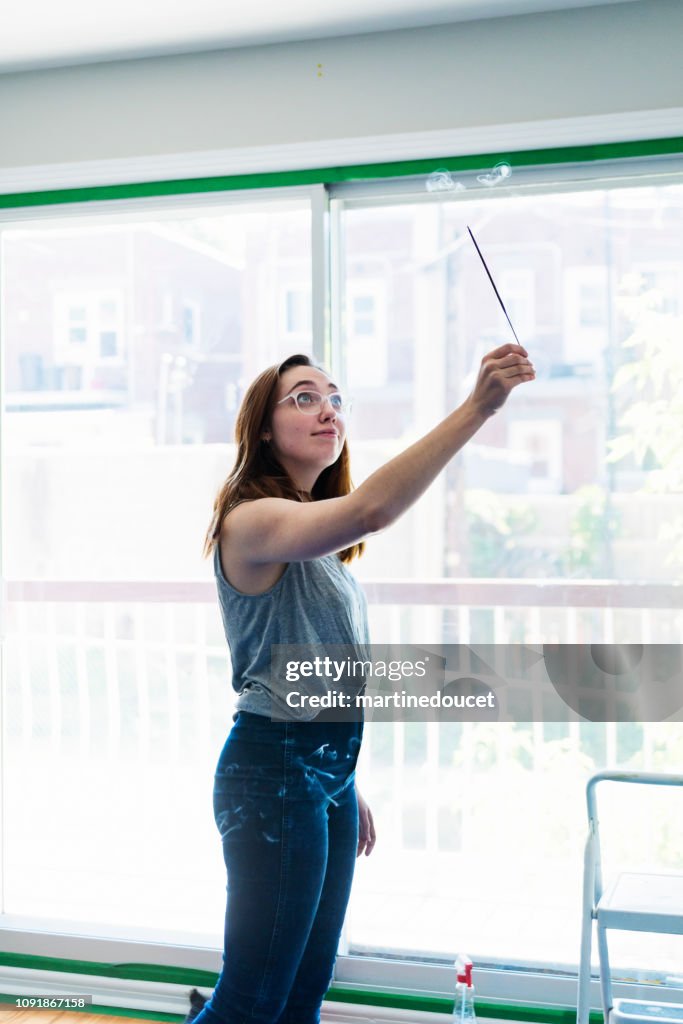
(206, 979)
(360, 172)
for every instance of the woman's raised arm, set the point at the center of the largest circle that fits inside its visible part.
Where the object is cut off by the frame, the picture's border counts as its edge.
(277, 530)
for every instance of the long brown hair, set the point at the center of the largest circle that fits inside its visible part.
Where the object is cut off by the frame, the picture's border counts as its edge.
(258, 474)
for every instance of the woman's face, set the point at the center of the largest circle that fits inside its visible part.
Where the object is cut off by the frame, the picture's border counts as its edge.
(305, 443)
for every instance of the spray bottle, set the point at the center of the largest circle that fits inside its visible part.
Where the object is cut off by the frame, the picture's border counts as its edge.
(463, 1011)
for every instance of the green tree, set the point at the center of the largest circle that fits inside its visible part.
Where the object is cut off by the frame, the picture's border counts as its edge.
(649, 385)
(594, 524)
(496, 528)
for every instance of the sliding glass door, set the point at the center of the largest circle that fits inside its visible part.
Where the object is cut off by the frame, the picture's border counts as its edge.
(127, 345)
(128, 338)
(561, 521)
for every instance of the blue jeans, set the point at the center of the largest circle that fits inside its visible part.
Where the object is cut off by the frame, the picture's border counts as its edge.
(285, 806)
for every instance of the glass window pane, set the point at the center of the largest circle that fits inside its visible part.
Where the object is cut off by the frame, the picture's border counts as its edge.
(108, 343)
(577, 478)
(120, 401)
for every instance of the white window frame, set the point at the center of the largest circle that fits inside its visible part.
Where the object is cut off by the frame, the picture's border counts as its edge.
(532, 986)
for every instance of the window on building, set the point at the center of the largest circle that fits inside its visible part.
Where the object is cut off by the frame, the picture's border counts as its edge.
(88, 327)
(297, 307)
(366, 333)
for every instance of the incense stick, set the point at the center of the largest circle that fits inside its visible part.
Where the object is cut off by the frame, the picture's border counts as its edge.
(502, 304)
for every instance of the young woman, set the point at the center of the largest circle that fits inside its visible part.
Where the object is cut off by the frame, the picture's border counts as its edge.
(291, 819)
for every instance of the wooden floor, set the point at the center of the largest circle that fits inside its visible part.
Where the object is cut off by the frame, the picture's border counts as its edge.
(64, 1017)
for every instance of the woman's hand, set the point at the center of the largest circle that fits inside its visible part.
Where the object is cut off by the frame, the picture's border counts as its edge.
(366, 827)
(500, 372)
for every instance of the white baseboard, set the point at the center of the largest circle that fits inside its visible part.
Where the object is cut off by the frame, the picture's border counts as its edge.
(119, 993)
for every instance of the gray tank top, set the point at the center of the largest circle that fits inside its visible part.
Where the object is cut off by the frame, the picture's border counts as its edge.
(317, 601)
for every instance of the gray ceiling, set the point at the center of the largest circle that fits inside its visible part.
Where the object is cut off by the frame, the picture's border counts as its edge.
(40, 34)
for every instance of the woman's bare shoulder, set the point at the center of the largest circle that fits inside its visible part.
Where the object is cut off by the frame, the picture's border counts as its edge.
(247, 577)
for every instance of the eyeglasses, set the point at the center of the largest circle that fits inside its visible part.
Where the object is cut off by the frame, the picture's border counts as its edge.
(311, 402)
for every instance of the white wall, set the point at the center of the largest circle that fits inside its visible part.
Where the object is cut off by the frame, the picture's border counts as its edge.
(598, 60)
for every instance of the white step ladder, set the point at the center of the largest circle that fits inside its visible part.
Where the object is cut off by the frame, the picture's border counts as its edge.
(634, 902)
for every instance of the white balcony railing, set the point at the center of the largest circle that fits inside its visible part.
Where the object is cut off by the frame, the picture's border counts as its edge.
(105, 677)
(69, 643)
